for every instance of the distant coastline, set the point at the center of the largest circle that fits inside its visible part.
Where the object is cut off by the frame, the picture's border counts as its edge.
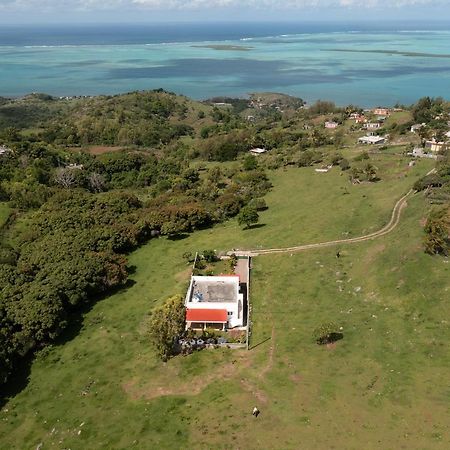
(343, 63)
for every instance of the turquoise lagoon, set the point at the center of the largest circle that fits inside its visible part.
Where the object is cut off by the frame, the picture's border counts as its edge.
(365, 68)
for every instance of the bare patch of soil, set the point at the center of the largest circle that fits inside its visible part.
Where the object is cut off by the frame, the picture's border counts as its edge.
(259, 395)
(170, 383)
(374, 251)
(269, 365)
(183, 275)
(296, 378)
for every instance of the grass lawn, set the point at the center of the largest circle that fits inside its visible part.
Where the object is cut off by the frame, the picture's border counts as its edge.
(384, 385)
(5, 211)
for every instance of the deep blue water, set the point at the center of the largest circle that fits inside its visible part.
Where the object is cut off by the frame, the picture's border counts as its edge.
(366, 64)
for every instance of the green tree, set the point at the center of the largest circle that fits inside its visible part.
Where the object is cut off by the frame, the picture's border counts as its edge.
(166, 324)
(326, 333)
(370, 171)
(250, 162)
(437, 240)
(344, 164)
(209, 256)
(248, 216)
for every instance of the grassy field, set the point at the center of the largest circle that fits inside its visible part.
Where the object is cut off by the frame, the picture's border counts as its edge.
(5, 211)
(384, 385)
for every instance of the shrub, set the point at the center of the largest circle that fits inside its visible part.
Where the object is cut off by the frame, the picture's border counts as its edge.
(209, 256)
(362, 156)
(437, 228)
(258, 203)
(326, 333)
(233, 261)
(344, 164)
(188, 257)
(427, 181)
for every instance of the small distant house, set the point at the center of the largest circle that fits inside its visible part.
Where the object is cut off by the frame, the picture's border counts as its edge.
(372, 125)
(258, 151)
(4, 150)
(447, 135)
(324, 169)
(361, 119)
(331, 125)
(416, 127)
(381, 112)
(419, 153)
(372, 140)
(214, 302)
(75, 166)
(434, 146)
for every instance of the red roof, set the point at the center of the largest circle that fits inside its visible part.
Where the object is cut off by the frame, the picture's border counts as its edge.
(207, 315)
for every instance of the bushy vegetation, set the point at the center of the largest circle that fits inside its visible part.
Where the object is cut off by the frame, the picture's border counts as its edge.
(437, 228)
(437, 190)
(326, 333)
(80, 214)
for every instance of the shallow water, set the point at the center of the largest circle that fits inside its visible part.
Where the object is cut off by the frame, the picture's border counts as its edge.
(363, 67)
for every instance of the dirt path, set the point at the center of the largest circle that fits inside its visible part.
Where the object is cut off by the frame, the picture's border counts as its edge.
(269, 365)
(391, 225)
(388, 228)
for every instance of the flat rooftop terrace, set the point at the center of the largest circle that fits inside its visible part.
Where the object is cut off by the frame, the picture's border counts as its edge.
(213, 290)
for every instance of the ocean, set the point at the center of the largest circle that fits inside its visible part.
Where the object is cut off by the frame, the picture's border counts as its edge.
(362, 64)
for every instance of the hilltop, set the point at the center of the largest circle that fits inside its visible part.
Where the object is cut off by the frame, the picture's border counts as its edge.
(105, 200)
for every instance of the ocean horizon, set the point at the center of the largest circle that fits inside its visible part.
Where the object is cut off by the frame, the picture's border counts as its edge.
(363, 64)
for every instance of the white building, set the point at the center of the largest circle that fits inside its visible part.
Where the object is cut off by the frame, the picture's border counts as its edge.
(4, 150)
(331, 125)
(372, 140)
(372, 125)
(416, 127)
(258, 151)
(434, 146)
(214, 302)
(419, 153)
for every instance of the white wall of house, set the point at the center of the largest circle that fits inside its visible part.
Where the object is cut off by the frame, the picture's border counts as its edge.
(234, 309)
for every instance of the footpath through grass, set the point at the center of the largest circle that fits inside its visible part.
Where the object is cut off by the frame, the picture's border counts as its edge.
(385, 385)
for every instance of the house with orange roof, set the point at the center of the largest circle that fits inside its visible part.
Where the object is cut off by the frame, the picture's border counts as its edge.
(214, 302)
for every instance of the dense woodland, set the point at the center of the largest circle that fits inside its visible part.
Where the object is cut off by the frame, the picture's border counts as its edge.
(76, 213)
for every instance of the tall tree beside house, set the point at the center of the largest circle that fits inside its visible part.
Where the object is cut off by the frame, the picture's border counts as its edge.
(166, 324)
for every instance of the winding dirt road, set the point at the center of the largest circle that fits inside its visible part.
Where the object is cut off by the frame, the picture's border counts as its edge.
(388, 228)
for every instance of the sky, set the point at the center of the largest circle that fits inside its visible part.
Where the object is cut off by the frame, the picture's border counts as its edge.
(47, 11)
